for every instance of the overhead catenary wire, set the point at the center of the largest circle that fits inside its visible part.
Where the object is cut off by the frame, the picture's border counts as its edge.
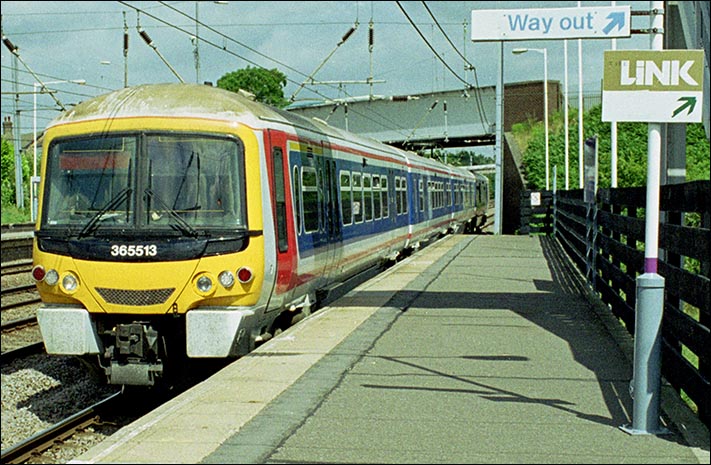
(469, 86)
(13, 49)
(343, 40)
(470, 66)
(419, 123)
(389, 124)
(147, 39)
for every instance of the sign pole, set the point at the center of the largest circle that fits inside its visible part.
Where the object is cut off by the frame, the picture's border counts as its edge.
(498, 177)
(646, 380)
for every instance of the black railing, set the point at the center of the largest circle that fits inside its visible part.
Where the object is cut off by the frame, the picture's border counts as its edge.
(605, 239)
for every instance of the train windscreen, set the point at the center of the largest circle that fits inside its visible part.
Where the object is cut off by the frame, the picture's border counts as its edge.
(171, 182)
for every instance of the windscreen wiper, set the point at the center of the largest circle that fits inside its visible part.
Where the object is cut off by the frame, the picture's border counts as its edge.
(183, 225)
(98, 216)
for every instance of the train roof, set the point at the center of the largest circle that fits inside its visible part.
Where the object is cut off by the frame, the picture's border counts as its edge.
(203, 101)
(167, 100)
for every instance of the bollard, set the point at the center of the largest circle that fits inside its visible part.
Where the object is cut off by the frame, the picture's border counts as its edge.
(646, 380)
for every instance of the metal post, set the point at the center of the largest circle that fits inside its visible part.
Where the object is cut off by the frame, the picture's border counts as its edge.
(498, 178)
(555, 195)
(646, 380)
(545, 112)
(565, 113)
(613, 137)
(581, 110)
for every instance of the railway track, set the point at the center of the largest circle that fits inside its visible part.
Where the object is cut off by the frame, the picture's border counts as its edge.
(59, 432)
(20, 333)
(16, 243)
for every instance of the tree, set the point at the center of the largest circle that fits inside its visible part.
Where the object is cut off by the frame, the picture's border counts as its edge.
(266, 84)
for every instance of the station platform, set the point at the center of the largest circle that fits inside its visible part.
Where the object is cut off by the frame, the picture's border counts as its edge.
(478, 349)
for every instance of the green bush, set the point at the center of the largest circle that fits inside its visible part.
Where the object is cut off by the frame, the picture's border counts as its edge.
(632, 142)
(10, 212)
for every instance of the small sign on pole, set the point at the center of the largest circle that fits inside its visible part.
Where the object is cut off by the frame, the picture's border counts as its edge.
(535, 199)
(590, 156)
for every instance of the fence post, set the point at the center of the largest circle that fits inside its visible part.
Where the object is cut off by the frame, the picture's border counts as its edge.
(588, 241)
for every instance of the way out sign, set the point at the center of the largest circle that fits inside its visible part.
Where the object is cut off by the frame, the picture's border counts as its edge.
(604, 22)
(653, 86)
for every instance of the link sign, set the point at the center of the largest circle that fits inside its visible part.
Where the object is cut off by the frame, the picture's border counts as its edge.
(604, 22)
(653, 86)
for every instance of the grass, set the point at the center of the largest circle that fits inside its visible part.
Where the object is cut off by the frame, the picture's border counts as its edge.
(13, 215)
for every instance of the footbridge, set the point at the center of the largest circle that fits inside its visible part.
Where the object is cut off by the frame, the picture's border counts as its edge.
(447, 119)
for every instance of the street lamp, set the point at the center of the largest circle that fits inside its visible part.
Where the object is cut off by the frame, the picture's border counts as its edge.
(544, 51)
(35, 178)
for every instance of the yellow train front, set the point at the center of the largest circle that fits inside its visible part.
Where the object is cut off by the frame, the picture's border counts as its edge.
(151, 226)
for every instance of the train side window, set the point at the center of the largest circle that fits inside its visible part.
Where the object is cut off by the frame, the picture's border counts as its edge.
(357, 198)
(431, 193)
(422, 195)
(398, 208)
(297, 199)
(401, 193)
(309, 193)
(367, 197)
(377, 203)
(449, 193)
(280, 199)
(346, 198)
(385, 196)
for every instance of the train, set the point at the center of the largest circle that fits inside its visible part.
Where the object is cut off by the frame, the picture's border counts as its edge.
(184, 222)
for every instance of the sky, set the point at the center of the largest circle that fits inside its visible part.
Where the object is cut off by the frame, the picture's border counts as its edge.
(66, 40)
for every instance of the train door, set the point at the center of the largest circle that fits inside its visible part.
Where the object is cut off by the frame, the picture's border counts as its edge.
(281, 208)
(331, 213)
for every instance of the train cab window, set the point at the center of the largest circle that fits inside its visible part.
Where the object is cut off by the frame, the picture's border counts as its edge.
(198, 178)
(357, 198)
(367, 197)
(310, 202)
(385, 197)
(346, 198)
(87, 175)
(377, 202)
(174, 183)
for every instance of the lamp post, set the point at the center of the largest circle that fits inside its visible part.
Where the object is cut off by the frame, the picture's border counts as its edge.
(35, 178)
(544, 51)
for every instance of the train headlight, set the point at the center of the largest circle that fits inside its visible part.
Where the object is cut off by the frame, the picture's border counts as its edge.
(227, 279)
(70, 283)
(51, 277)
(244, 275)
(204, 285)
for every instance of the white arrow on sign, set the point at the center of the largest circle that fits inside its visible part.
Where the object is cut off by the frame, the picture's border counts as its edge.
(551, 23)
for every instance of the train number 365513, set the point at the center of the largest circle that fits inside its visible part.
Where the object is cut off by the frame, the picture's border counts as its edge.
(123, 250)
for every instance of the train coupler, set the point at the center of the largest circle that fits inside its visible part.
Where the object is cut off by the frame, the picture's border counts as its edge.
(134, 356)
(134, 374)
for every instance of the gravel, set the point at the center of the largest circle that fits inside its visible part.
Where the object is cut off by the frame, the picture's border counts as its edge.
(40, 390)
